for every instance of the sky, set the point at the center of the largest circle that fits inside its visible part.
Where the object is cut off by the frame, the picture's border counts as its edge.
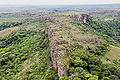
(58, 2)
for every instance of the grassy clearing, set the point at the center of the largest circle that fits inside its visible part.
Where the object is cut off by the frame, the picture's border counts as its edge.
(114, 53)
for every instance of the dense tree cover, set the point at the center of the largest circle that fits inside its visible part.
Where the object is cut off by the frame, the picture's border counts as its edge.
(88, 66)
(9, 24)
(24, 55)
(85, 65)
(108, 30)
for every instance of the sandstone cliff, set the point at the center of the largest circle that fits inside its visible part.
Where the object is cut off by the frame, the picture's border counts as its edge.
(61, 35)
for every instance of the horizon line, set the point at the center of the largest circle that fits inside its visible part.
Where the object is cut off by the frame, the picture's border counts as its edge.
(62, 4)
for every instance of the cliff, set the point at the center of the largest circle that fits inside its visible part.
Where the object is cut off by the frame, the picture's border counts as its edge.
(61, 35)
(82, 18)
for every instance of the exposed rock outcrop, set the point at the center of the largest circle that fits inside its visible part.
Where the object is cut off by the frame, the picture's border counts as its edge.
(59, 46)
(82, 18)
(57, 52)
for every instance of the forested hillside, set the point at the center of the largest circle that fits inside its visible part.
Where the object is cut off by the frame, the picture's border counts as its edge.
(60, 44)
(109, 30)
(24, 54)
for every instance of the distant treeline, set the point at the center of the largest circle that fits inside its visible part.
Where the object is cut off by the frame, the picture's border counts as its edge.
(9, 25)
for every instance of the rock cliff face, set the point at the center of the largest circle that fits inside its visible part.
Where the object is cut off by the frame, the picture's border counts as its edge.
(56, 54)
(82, 18)
(60, 40)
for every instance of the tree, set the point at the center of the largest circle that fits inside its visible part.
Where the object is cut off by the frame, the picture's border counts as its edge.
(94, 60)
(51, 74)
(77, 61)
(114, 77)
(64, 78)
(105, 78)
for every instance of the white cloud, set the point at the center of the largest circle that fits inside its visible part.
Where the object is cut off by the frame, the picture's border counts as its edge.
(51, 2)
